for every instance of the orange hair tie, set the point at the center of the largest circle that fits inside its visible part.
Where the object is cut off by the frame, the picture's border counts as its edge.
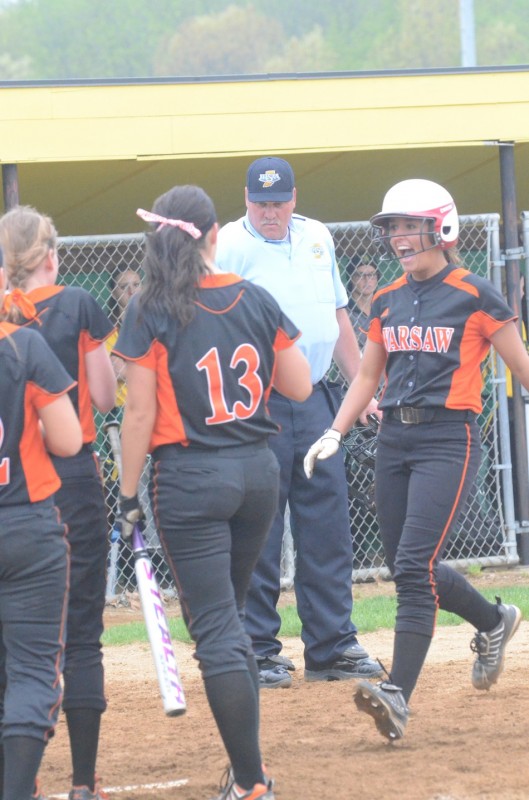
(22, 302)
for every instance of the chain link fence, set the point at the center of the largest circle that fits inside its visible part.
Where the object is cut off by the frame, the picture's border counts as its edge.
(485, 531)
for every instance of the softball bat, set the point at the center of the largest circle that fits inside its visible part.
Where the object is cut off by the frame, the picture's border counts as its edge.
(112, 431)
(171, 689)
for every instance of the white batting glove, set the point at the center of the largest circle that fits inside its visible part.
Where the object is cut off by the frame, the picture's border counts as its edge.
(326, 446)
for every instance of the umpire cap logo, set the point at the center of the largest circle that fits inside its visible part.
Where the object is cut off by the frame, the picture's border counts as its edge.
(268, 178)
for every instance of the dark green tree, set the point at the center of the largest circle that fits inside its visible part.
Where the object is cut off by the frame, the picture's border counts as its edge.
(92, 39)
(78, 39)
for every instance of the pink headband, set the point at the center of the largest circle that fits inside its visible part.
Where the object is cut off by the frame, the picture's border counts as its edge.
(188, 227)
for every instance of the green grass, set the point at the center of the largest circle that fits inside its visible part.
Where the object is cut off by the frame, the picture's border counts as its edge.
(370, 614)
(131, 632)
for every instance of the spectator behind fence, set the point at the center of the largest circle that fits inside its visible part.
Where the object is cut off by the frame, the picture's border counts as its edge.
(294, 258)
(361, 285)
(124, 283)
(76, 328)
(33, 549)
(202, 349)
(430, 330)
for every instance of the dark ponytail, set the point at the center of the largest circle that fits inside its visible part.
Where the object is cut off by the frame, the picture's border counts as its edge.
(173, 262)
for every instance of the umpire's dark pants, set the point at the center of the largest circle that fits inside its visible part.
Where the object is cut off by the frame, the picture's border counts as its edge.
(423, 476)
(319, 518)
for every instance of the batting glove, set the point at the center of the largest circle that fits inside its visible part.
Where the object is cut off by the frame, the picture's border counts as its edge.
(326, 446)
(130, 512)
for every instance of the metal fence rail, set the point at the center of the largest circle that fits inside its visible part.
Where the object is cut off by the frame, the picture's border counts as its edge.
(485, 532)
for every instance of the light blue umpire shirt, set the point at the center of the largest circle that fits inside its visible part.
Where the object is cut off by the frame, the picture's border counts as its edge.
(300, 271)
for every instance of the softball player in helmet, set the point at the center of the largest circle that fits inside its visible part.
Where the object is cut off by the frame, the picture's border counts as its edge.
(203, 349)
(429, 330)
(33, 548)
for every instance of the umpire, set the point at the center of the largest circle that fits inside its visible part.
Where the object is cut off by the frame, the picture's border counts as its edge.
(293, 258)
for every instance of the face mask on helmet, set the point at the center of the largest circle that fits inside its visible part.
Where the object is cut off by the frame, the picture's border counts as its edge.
(360, 444)
(360, 448)
(424, 200)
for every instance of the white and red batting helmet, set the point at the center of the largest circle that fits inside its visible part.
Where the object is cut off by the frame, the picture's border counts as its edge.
(423, 199)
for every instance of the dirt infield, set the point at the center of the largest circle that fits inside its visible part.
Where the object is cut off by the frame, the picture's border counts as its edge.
(460, 745)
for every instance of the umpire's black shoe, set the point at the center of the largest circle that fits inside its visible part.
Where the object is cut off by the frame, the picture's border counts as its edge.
(490, 647)
(353, 663)
(274, 672)
(386, 704)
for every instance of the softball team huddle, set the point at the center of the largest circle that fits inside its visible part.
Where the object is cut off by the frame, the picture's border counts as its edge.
(204, 351)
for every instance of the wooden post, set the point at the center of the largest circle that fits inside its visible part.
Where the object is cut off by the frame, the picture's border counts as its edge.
(10, 185)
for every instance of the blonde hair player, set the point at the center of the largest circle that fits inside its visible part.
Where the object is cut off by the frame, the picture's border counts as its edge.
(76, 328)
(36, 418)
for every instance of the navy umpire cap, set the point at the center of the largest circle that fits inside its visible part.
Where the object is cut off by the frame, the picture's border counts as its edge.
(271, 180)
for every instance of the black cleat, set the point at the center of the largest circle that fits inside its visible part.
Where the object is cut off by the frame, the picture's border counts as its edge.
(386, 704)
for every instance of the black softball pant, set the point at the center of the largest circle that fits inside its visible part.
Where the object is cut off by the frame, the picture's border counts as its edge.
(82, 505)
(423, 476)
(33, 598)
(213, 510)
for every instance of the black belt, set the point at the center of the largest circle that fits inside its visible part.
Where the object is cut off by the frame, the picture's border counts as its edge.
(414, 416)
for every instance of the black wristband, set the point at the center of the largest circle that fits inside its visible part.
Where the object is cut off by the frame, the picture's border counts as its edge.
(127, 504)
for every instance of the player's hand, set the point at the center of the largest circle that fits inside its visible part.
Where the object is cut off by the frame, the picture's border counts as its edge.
(371, 409)
(130, 512)
(326, 446)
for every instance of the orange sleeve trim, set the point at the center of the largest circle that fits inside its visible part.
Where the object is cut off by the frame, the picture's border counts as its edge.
(85, 411)
(93, 344)
(283, 341)
(41, 479)
(374, 332)
(147, 360)
(44, 398)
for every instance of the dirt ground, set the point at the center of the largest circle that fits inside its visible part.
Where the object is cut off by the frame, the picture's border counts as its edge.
(460, 744)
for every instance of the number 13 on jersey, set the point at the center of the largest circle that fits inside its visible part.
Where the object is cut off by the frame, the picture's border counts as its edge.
(244, 354)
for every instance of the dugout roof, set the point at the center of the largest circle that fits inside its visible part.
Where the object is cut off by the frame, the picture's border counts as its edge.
(89, 153)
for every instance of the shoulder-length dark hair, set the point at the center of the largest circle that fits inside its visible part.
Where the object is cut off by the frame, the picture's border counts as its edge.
(173, 262)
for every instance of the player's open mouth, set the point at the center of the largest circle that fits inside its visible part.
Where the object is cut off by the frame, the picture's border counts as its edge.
(405, 252)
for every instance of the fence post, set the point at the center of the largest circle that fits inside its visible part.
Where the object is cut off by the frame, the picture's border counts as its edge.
(512, 255)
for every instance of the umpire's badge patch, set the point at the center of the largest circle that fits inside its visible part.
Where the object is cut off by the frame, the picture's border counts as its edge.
(268, 178)
(317, 250)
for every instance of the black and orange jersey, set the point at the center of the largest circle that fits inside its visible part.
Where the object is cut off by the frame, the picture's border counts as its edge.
(32, 377)
(436, 334)
(73, 324)
(214, 375)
